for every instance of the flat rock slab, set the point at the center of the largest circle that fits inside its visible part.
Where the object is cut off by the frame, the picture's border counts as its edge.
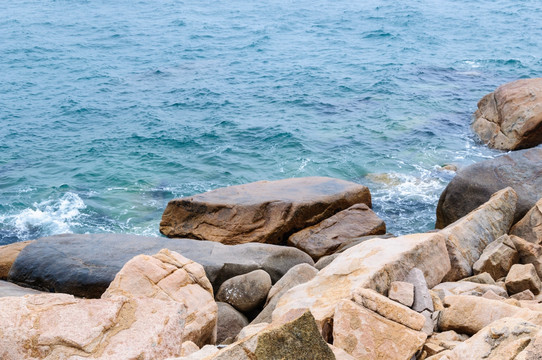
(85, 265)
(10, 289)
(473, 185)
(263, 211)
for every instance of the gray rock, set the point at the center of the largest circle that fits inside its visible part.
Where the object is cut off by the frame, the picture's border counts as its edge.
(10, 289)
(245, 292)
(84, 265)
(422, 297)
(230, 322)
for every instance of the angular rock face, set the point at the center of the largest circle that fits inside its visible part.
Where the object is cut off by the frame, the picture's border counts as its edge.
(59, 326)
(510, 118)
(264, 211)
(473, 185)
(497, 258)
(169, 276)
(85, 265)
(230, 322)
(245, 292)
(529, 253)
(402, 292)
(523, 277)
(530, 227)
(368, 336)
(326, 236)
(467, 238)
(8, 254)
(468, 288)
(373, 264)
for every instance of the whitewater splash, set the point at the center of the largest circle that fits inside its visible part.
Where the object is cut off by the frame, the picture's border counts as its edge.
(54, 216)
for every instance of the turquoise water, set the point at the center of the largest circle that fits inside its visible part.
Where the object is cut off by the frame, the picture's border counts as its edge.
(109, 109)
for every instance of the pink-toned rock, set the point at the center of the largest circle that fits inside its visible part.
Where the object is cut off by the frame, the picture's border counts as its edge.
(529, 253)
(323, 238)
(264, 211)
(8, 254)
(529, 227)
(523, 277)
(169, 276)
(59, 326)
(402, 292)
(510, 118)
(524, 295)
(497, 258)
(368, 336)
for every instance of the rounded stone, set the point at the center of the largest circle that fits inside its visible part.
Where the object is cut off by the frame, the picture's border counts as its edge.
(245, 292)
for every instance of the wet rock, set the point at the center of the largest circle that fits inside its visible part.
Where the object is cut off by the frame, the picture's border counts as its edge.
(325, 237)
(8, 254)
(85, 264)
(523, 277)
(529, 227)
(245, 292)
(402, 292)
(467, 238)
(510, 118)
(264, 211)
(497, 258)
(10, 289)
(473, 185)
(230, 322)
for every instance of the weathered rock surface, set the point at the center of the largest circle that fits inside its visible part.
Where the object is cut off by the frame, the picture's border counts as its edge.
(507, 338)
(497, 258)
(529, 227)
(85, 265)
(299, 274)
(245, 292)
(373, 264)
(59, 326)
(325, 237)
(169, 276)
(481, 278)
(510, 118)
(523, 277)
(230, 322)
(402, 292)
(473, 185)
(8, 254)
(10, 289)
(295, 339)
(468, 288)
(524, 295)
(467, 238)
(529, 253)
(367, 335)
(264, 211)
(422, 297)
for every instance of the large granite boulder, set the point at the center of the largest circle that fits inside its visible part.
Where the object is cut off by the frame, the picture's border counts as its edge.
(264, 211)
(85, 265)
(59, 326)
(325, 237)
(169, 276)
(473, 185)
(373, 264)
(510, 118)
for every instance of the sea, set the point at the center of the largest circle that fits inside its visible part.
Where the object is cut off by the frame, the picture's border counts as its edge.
(109, 109)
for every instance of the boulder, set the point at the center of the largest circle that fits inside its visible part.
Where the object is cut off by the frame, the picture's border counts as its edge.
(85, 264)
(468, 288)
(529, 253)
(510, 118)
(325, 237)
(297, 338)
(264, 211)
(529, 227)
(230, 322)
(468, 237)
(474, 184)
(10, 289)
(245, 292)
(402, 292)
(523, 277)
(422, 297)
(481, 278)
(8, 254)
(524, 295)
(299, 274)
(169, 276)
(368, 336)
(497, 258)
(59, 326)
(373, 264)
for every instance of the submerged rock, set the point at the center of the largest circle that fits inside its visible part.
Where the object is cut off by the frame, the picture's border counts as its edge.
(264, 211)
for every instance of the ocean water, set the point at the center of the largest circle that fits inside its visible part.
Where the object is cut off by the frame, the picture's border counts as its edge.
(109, 109)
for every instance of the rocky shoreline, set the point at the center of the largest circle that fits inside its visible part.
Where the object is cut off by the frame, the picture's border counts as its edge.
(302, 269)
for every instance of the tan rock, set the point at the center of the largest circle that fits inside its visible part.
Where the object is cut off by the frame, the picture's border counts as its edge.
(506, 338)
(169, 276)
(529, 253)
(8, 254)
(490, 294)
(373, 264)
(468, 288)
(389, 309)
(483, 278)
(188, 348)
(323, 238)
(467, 237)
(497, 258)
(264, 211)
(523, 277)
(250, 330)
(367, 335)
(299, 274)
(510, 118)
(59, 326)
(340, 354)
(402, 292)
(469, 314)
(437, 302)
(524, 295)
(529, 227)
